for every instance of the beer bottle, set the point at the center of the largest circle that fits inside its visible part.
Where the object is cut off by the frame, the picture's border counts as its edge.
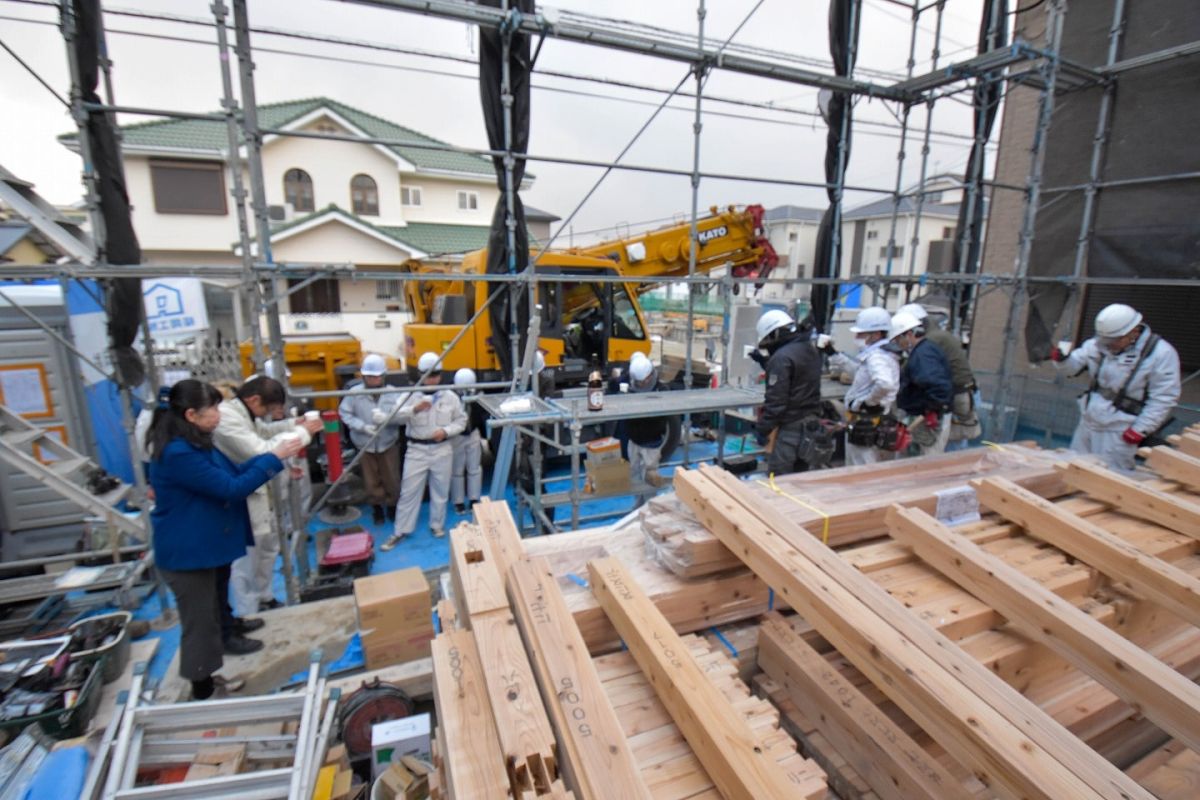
(595, 391)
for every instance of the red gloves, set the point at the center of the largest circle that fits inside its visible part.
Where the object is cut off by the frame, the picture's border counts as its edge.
(933, 420)
(1057, 355)
(1130, 436)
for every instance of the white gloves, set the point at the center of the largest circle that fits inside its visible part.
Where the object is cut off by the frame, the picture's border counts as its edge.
(1065, 347)
(378, 416)
(371, 430)
(823, 341)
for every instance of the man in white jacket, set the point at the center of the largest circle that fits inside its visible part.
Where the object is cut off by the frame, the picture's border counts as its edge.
(872, 393)
(466, 485)
(247, 429)
(375, 430)
(1135, 385)
(432, 420)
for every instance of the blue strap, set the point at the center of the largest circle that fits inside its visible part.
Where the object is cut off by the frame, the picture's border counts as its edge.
(721, 638)
(577, 580)
(770, 599)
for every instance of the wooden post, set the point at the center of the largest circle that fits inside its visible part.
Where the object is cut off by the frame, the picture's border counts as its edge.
(1128, 497)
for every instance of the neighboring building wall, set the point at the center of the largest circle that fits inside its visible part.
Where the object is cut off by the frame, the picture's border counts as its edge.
(439, 200)
(872, 257)
(26, 252)
(208, 233)
(795, 241)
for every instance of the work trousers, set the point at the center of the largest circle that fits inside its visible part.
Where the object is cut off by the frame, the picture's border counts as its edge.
(857, 455)
(939, 446)
(201, 597)
(431, 463)
(253, 575)
(381, 476)
(1117, 454)
(467, 474)
(643, 460)
(964, 423)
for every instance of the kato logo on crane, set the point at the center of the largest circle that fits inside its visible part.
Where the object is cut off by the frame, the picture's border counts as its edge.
(704, 237)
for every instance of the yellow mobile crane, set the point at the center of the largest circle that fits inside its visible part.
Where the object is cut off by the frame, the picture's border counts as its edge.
(582, 318)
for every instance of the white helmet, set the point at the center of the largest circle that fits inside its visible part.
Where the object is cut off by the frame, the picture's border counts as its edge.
(872, 319)
(1116, 320)
(770, 322)
(903, 322)
(640, 367)
(464, 377)
(373, 365)
(428, 362)
(916, 309)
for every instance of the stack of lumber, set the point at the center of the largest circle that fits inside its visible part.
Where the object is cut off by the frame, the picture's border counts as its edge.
(1032, 654)
(524, 711)
(844, 506)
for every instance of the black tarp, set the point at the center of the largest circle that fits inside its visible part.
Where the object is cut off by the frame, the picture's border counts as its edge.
(985, 100)
(509, 311)
(123, 296)
(1139, 231)
(843, 40)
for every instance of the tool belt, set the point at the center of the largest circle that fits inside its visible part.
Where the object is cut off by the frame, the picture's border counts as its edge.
(864, 426)
(814, 442)
(891, 435)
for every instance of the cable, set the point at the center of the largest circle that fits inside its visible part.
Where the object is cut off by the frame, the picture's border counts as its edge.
(34, 73)
(1016, 11)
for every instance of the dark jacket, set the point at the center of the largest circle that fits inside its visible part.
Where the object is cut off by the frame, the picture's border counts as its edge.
(643, 431)
(956, 356)
(200, 516)
(925, 383)
(793, 384)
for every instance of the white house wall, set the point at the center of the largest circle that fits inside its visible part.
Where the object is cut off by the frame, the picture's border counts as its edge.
(439, 201)
(187, 232)
(334, 242)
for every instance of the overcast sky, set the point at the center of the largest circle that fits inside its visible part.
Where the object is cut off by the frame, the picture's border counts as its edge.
(587, 120)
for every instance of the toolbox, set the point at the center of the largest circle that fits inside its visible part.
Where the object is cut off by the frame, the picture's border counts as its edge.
(349, 553)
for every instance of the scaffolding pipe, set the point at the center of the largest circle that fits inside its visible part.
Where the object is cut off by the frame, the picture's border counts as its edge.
(914, 241)
(700, 69)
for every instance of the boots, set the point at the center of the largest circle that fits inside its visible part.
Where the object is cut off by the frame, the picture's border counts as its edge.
(655, 479)
(377, 515)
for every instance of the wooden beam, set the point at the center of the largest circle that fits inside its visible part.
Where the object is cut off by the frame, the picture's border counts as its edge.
(894, 766)
(1188, 442)
(735, 757)
(478, 583)
(1126, 496)
(1161, 582)
(1174, 465)
(472, 759)
(1012, 745)
(1150, 686)
(595, 753)
(496, 524)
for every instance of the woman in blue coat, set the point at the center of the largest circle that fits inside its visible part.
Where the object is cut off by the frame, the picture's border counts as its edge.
(201, 523)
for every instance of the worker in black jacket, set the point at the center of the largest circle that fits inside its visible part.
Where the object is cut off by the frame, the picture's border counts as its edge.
(790, 423)
(926, 385)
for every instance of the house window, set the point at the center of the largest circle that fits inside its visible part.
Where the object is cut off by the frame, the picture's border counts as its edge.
(872, 234)
(897, 251)
(319, 297)
(298, 190)
(468, 201)
(410, 195)
(364, 196)
(387, 290)
(947, 233)
(188, 187)
(792, 236)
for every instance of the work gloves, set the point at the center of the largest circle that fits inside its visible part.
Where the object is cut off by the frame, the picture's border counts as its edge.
(378, 416)
(1130, 436)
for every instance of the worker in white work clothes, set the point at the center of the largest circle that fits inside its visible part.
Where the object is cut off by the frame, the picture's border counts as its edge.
(926, 388)
(647, 435)
(872, 394)
(964, 420)
(1135, 385)
(433, 419)
(248, 428)
(466, 483)
(375, 432)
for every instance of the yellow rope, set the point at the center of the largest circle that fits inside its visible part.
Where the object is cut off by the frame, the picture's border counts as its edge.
(770, 484)
(995, 446)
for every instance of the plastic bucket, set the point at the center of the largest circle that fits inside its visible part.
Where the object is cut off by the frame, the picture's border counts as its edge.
(117, 652)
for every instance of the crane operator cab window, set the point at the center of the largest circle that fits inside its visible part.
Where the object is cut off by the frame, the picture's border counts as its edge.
(589, 316)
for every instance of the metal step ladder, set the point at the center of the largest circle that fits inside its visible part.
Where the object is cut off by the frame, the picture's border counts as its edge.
(65, 471)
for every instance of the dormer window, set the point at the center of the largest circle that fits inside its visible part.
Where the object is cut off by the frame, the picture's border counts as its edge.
(364, 196)
(468, 201)
(298, 190)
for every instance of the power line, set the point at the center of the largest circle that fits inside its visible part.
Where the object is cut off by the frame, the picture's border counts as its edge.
(34, 73)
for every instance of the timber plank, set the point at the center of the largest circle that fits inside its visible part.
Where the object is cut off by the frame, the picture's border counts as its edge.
(594, 747)
(735, 757)
(496, 524)
(473, 763)
(887, 758)
(1162, 694)
(1188, 442)
(1174, 465)
(478, 582)
(1013, 746)
(1134, 499)
(1160, 581)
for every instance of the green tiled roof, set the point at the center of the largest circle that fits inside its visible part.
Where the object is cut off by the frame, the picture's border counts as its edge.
(212, 136)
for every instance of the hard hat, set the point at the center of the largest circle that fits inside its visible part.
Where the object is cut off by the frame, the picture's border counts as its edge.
(770, 322)
(903, 322)
(872, 319)
(916, 309)
(464, 377)
(640, 367)
(428, 363)
(1116, 320)
(269, 369)
(373, 365)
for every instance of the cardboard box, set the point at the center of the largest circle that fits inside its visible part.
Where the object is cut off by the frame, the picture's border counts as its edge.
(609, 477)
(394, 739)
(392, 600)
(383, 650)
(604, 451)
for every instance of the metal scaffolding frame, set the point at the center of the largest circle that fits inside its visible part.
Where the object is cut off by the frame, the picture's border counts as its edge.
(1020, 63)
